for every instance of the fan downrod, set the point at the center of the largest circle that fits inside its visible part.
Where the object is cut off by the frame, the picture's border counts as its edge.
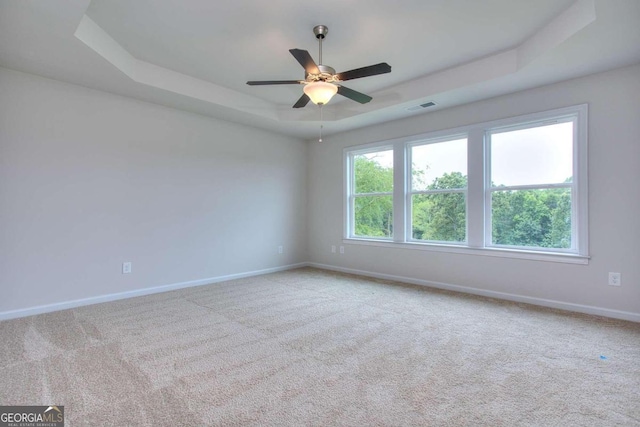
(321, 32)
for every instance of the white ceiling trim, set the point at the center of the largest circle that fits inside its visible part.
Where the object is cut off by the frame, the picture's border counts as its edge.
(559, 29)
(571, 21)
(149, 74)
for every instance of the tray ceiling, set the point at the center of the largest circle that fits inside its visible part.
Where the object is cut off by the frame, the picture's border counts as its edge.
(197, 55)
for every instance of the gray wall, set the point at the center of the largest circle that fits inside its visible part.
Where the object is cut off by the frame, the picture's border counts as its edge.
(614, 200)
(89, 180)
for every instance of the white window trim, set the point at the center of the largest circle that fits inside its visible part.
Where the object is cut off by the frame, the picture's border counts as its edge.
(574, 117)
(410, 191)
(505, 252)
(478, 190)
(350, 190)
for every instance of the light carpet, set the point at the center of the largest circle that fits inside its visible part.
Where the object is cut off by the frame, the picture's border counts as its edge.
(316, 348)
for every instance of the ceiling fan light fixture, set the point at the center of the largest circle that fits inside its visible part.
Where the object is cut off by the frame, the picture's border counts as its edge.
(320, 92)
(318, 78)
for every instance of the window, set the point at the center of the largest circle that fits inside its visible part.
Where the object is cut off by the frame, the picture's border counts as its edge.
(514, 187)
(371, 200)
(529, 203)
(438, 177)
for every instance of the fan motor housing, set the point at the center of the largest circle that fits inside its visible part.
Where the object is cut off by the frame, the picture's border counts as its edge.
(327, 74)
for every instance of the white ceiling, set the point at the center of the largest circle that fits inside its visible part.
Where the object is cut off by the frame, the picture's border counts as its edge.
(198, 54)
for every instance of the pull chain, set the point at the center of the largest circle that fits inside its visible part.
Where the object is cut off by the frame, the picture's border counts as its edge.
(320, 139)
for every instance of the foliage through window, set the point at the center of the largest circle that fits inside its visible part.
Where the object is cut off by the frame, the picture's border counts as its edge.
(438, 191)
(531, 185)
(372, 200)
(515, 184)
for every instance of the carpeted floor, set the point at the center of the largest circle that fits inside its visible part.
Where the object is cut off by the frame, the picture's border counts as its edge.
(316, 348)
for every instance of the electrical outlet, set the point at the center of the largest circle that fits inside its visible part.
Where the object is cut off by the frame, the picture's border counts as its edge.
(280, 249)
(615, 279)
(126, 267)
(333, 249)
(342, 249)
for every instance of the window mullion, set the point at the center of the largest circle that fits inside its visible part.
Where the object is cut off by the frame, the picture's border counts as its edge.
(399, 186)
(486, 161)
(475, 188)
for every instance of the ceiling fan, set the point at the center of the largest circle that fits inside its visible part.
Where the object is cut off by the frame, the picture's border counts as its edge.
(321, 82)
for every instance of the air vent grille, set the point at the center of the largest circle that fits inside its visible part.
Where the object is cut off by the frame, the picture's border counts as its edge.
(422, 106)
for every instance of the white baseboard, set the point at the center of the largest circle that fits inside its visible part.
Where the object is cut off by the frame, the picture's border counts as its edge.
(30, 311)
(598, 311)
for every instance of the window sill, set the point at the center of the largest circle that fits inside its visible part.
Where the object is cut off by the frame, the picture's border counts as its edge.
(493, 252)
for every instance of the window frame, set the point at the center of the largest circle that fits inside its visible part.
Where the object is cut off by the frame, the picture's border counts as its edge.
(411, 192)
(352, 195)
(490, 189)
(478, 154)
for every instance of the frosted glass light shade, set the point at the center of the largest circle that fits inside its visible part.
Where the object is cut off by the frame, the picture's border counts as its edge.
(320, 92)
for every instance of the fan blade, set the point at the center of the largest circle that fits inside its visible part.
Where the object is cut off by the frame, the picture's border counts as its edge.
(305, 60)
(273, 82)
(304, 100)
(371, 70)
(353, 94)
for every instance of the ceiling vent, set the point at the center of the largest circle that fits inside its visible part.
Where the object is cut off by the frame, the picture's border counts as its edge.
(421, 106)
